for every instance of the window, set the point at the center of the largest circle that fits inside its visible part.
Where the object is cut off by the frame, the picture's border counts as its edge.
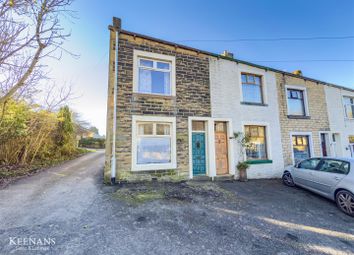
(198, 126)
(301, 147)
(348, 107)
(252, 88)
(257, 149)
(154, 73)
(296, 102)
(310, 164)
(334, 166)
(154, 143)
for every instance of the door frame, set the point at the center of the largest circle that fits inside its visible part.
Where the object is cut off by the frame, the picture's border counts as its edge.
(210, 145)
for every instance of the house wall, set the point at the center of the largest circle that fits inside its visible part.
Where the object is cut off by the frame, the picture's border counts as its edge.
(338, 122)
(317, 121)
(192, 99)
(226, 97)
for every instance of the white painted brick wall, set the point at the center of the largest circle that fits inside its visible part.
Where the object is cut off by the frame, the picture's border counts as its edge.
(226, 102)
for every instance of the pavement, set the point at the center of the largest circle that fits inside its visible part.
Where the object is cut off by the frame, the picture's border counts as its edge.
(68, 210)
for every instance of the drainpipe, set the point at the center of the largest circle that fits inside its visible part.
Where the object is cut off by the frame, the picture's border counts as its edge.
(117, 27)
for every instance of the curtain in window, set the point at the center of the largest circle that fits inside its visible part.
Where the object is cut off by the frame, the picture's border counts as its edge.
(145, 80)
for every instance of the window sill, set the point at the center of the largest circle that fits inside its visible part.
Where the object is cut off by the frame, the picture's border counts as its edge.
(153, 95)
(259, 161)
(153, 167)
(299, 117)
(257, 104)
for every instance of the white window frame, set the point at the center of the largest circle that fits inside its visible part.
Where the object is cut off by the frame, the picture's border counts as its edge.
(261, 73)
(267, 133)
(155, 57)
(304, 94)
(155, 119)
(309, 134)
(345, 110)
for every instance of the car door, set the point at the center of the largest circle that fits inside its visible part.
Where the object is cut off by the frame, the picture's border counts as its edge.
(328, 174)
(303, 172)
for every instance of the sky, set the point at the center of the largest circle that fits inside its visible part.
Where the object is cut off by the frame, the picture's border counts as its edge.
(201, 24)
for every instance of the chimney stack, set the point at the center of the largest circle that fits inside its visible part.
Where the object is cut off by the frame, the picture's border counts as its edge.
(227, 54)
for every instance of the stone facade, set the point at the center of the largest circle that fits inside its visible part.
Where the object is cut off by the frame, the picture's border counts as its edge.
(318, 117)
(192, 99)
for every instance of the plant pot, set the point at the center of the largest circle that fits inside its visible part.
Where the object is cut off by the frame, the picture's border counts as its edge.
(243, 175)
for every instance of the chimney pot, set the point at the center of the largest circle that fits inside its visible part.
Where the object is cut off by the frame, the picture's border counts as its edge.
(227, 54)
(298, 72)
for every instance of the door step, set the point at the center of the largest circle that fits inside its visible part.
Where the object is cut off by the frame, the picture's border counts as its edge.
(228, 177)
(201, 178)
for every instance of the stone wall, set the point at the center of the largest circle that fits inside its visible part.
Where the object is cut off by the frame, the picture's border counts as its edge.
(192, 99)
(317, 106)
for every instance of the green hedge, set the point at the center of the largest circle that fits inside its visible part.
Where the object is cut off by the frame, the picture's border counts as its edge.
(95, 143)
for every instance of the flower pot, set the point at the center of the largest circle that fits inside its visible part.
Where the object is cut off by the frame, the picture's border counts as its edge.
(243, 175)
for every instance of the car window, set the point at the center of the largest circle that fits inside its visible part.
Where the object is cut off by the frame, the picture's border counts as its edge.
(310, 164)
(345, 168)
(334, 166)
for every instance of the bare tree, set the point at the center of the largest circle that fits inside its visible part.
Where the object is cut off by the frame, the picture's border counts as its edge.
(30, 30)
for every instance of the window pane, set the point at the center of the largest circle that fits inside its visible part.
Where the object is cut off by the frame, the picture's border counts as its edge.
(345, 168)
(296, 107)
(251, 93)
(146, 63)
(145, 79)
(145, 129)
(331, 166)
(257, 148)
(157, 82)
(162, 65)
(154, 150)
(301, 148)
(162, 129)
(161, 83)
(198, 126)
(250, 78)
(244, 78)
(309, 164)
(257, 80)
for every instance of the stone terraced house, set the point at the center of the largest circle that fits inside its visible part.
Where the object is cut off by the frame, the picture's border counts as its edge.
(173, 110)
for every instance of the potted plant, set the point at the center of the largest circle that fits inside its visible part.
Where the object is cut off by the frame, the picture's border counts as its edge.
(242, 166)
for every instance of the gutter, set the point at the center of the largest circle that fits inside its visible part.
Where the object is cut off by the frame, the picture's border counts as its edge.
(117, 27)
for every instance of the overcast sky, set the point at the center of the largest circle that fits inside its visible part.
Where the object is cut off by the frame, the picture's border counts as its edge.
(197, 24)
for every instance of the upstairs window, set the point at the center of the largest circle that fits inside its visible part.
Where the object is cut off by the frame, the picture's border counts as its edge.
(348, 107)
(252, 88)
(154, 73)
(296, 102)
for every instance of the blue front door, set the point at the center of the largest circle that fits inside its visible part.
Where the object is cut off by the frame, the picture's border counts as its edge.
(198, 151)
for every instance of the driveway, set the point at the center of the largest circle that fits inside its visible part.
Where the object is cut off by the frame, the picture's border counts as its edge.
(70, 205)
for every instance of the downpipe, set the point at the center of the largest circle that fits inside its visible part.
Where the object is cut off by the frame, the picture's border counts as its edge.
(113, 159)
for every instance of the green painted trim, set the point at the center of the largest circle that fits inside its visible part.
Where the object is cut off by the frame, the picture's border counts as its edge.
(261, 161)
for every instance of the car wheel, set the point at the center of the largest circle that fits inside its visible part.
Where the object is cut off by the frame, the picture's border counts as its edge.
(288, 179)
(345, 202)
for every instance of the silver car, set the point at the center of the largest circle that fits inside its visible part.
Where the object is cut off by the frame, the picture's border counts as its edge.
(332, 178)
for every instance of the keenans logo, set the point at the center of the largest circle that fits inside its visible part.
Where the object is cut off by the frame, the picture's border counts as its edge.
(32, 243)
